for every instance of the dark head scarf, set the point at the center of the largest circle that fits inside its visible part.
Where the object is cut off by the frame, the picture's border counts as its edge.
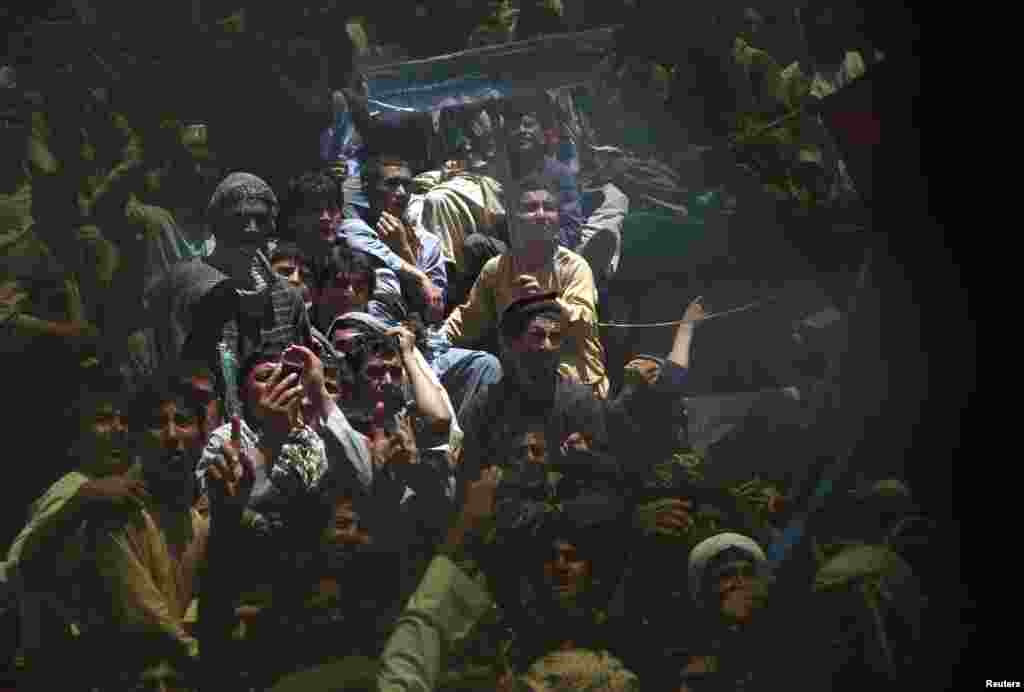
(517, 316)
(236, 190)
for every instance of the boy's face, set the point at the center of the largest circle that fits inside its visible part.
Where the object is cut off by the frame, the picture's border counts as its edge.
(103, 434)
(316, 224)
(566, 572)
(297, 274)
(391, 194)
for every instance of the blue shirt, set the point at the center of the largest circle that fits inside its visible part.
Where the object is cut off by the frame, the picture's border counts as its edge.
(570, 210)
(360, 236)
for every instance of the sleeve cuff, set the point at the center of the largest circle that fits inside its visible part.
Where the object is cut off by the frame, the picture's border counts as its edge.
(672, 377)
(449, 598)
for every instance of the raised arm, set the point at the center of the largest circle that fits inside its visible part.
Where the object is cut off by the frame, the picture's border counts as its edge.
(444, 608)
(340, 432)
(63, 507)
(429, 398)
(680, 353)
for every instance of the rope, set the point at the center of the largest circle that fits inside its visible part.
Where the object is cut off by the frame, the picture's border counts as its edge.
(742, 308)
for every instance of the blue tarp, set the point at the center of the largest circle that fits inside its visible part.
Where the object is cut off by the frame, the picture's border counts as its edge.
(398, 95)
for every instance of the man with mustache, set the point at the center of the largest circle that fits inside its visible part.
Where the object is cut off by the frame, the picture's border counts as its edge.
(535, 138)
(535, 388)
(52, 553)
(230, 304)
(536, 264)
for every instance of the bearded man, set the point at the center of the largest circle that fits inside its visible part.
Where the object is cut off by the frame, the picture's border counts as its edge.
(222, 309)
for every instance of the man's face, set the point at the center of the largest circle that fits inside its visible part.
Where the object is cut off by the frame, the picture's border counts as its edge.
(172, 434)
(530, 448)
(736, 589)
(538, 209)
(103, 435)
(170, 442)
(566, 573)
(257, 384)
(343, 528)
(392, 191)
(248, 223)
(526, 133)
(316, 224)
(533, 356)
(345, 293)
(381, 372)
(345, 340)
(297, 274)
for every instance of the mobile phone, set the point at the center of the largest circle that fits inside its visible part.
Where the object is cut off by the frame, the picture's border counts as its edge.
(290, 366)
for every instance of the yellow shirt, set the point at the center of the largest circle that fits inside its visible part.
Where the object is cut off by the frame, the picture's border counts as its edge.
(583, 356)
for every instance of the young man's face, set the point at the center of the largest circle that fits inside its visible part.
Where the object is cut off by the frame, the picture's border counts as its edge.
(297, 274)
(526, 133)
(346, 293)
(170, 441)
(257, 384)
(391, 193)
(103, 435)
(249, 223)
(383, 371)
(735, 587)
(172, 436)
(533, 356)
(539, 210)
(316, 224)
(344, 340)
(566, 573)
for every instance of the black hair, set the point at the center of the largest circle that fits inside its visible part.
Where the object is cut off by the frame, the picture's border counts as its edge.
(289, 251)
(312, 185)
(154, 391)
(371, 169)
(517, 317)
(372, 344)
(99, 384)
(540, 181)
(539, 105)
(184, 371)
(344, 260)
(264, 355)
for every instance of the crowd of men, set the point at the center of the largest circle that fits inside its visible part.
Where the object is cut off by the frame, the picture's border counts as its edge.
(352, 438)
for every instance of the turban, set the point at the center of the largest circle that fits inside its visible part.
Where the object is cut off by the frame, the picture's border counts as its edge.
(578, 670)
(518, 315)
(707, 550)
(239, 188)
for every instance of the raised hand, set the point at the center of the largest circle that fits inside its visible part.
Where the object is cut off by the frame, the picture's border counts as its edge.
(280, 403)
(406, 339)
(313, 377)
(695, 310)
(395, 235)
(231, 478)
(434, 298)
(479, 505)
